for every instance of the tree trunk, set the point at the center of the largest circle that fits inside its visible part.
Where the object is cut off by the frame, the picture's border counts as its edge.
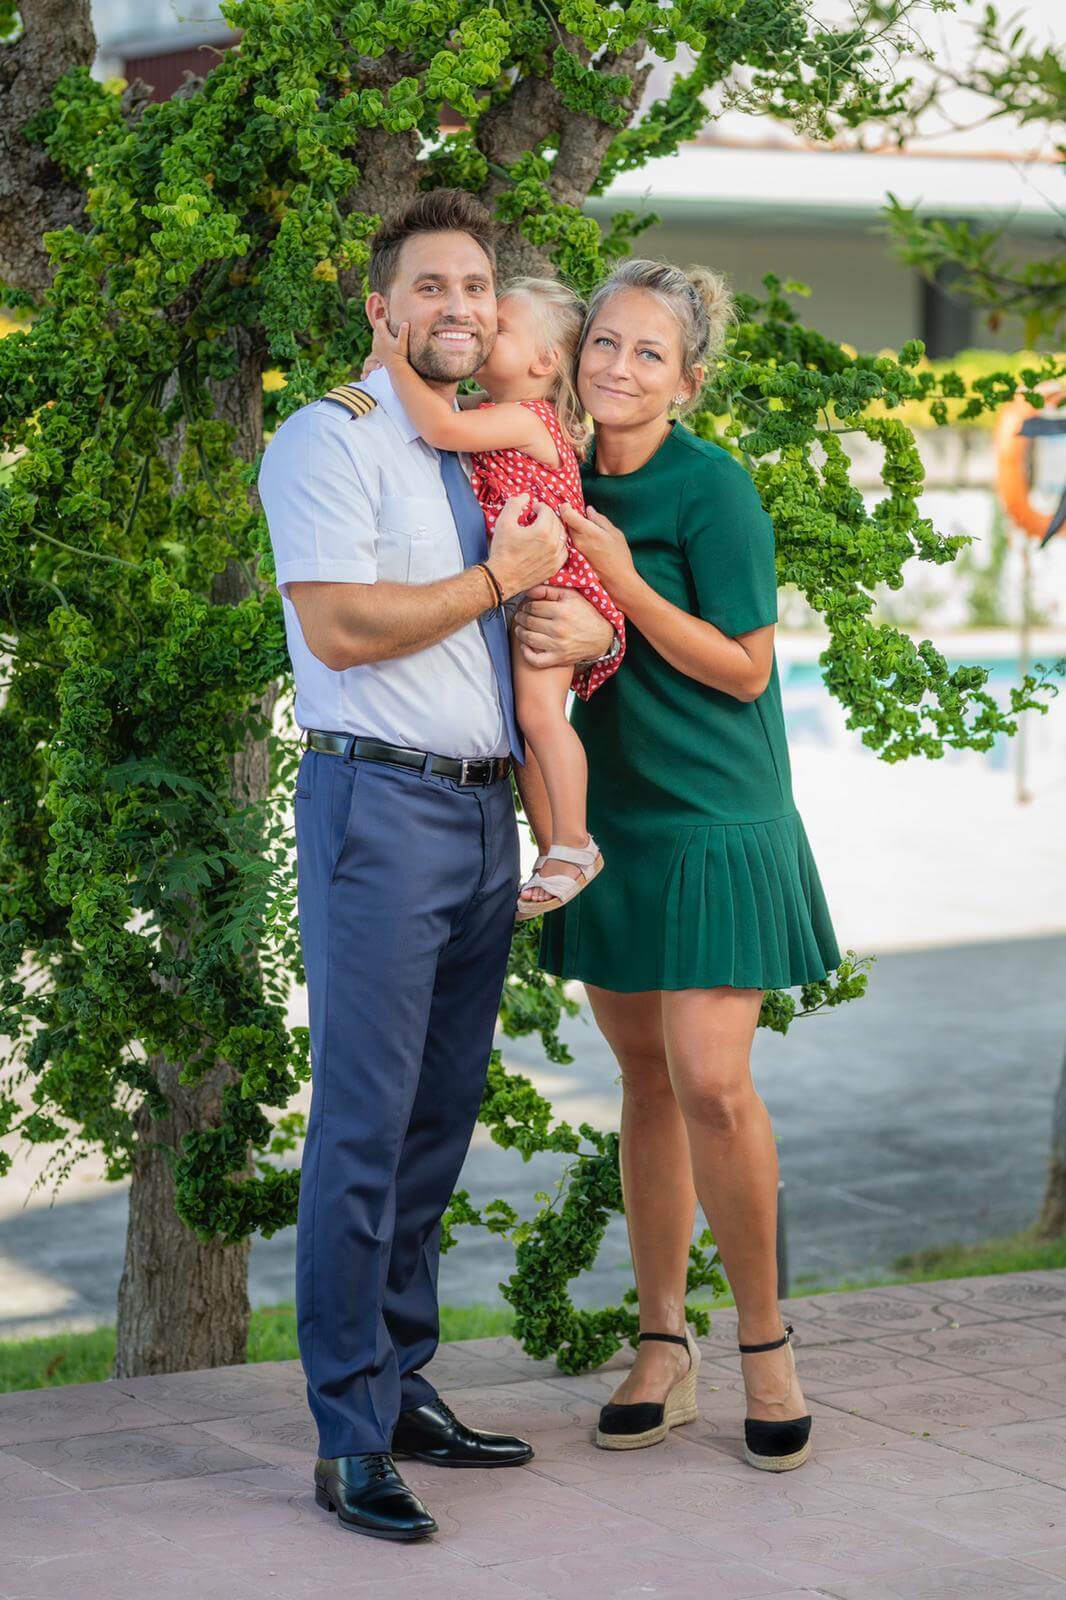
(183, 1305)
(1052, 1220)
(34, 195)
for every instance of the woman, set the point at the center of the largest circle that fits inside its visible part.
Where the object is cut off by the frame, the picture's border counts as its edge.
(712, 894)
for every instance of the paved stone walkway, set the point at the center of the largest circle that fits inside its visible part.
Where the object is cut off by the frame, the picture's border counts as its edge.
(938, 1470)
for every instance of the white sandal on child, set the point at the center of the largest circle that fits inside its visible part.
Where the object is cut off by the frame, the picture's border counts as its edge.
(561, 888)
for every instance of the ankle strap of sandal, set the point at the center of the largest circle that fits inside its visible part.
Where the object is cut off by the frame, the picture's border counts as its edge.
(671, 1338)
(582, 855)
(774, 1344)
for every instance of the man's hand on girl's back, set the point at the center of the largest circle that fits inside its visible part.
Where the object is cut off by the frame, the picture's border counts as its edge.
(525, 554)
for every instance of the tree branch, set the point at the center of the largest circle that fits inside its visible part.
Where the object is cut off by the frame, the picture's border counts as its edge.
(585, 140)
(534, 111)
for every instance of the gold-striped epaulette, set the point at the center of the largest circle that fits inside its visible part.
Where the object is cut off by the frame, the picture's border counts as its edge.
(357, 401)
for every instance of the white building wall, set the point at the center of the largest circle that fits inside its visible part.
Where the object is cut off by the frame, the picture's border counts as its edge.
(861, 293)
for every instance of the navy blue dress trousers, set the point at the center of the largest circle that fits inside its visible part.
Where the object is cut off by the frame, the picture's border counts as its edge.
(407, 884)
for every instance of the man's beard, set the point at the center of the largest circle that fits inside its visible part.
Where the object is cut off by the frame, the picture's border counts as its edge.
(439, 365)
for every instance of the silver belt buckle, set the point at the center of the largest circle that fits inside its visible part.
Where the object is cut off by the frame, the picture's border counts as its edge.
(466, 762)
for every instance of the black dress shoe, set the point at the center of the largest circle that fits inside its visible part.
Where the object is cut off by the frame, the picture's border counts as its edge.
(433, 1432)
(369, 1496)
(776, 1446)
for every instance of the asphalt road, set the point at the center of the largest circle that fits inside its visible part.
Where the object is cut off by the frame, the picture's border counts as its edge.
(918, 1115)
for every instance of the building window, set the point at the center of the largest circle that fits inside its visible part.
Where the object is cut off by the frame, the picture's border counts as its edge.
(946, 319)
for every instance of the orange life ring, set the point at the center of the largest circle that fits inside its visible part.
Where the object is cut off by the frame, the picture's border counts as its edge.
(1014, 460)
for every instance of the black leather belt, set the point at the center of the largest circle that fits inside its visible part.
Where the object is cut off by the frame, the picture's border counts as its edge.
(466, 769)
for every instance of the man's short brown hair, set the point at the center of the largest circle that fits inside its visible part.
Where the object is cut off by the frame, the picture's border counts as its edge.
(436, 211)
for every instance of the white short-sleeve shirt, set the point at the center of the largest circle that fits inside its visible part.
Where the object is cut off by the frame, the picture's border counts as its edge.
(351, 500)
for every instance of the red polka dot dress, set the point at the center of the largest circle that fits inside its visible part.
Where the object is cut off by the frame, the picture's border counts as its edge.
(496, 475)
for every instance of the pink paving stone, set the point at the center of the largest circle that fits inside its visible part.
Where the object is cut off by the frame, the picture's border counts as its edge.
(522, 1407)
(1051, 1563)
(218, 1392)
(907, 1473)
(938, 1473)
(60, 1413)
(1013, 1521)
(1047, 1382)
(233, 1505)
(689, 1502)
(942, 1403)
(903, 1308)
(971, 1580)
(844, 1365)
(312, 1557)
(500, 1349)
(65, 1525)
(276, 1437)
(664, 1568)
(988, 1346)
(1036, 1448)
(814, 1323)
(137, 1455)
(134, 1574)
(1010, 1294)
(491, 1517)
(818, 1551)
(20, 1481)
(568, 1455)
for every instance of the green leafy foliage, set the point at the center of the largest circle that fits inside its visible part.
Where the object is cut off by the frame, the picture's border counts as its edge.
(149, 907)
(1017, 78)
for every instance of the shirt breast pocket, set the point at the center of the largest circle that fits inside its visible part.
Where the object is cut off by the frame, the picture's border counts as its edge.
(417, 541)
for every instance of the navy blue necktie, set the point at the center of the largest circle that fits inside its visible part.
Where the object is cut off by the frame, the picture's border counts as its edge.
(473, 541)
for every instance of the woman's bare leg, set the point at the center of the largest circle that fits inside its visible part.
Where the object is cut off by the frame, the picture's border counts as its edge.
(708, 1035)
(660, 1199)
(540, 705)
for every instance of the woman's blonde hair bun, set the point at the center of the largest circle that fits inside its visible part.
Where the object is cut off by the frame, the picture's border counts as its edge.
(712, 292)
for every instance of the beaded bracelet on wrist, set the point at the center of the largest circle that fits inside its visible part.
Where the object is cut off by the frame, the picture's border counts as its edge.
(496, 590)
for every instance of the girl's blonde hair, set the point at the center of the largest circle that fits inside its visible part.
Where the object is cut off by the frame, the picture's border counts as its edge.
(561, 315)
(699, 299)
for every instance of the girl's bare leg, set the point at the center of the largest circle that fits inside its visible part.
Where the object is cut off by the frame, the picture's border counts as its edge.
(708, 1035)
(660, 1199)
(535, 802)
(540, 705)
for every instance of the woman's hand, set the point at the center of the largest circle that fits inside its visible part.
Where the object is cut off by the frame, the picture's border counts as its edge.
(604, 548)
(371, 364)
(388, 347)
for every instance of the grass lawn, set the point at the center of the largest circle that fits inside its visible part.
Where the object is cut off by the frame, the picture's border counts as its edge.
(86, 1357)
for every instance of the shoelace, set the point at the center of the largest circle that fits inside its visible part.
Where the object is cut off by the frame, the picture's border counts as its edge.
(379, 1467)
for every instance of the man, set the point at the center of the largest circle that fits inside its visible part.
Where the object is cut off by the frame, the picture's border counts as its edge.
(407, 849)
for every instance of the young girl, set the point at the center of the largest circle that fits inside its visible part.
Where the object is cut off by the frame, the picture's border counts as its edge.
(526, 438)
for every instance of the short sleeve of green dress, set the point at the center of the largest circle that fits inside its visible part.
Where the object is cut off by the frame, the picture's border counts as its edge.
(708, 875)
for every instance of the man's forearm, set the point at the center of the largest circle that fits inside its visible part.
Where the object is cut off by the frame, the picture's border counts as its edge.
(398, 619)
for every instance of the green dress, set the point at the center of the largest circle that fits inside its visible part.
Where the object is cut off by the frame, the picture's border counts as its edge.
(708, 875)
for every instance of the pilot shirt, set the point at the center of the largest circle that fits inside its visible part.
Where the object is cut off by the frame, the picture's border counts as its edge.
(353, 500)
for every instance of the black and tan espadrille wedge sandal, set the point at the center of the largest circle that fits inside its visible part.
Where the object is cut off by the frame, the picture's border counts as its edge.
(631, 1427)
(776, 1446)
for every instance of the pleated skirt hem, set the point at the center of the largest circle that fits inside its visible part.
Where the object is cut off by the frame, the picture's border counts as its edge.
(735, 904)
